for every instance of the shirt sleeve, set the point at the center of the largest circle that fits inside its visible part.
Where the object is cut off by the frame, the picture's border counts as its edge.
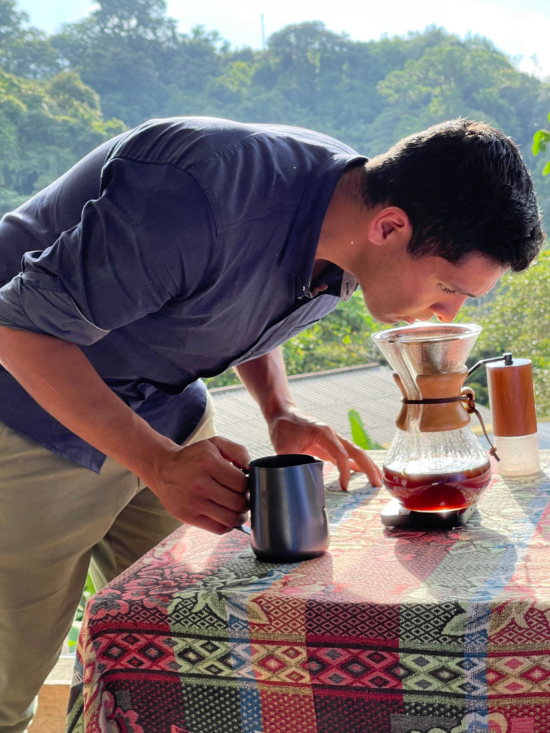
(147, 239)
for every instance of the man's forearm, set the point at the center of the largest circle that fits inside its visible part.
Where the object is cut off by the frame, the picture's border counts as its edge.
(61, 379)
(265, 379)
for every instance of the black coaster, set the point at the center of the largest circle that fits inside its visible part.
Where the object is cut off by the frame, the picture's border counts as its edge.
(395, 514)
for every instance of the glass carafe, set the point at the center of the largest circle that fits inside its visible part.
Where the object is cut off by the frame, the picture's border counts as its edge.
(435, 463)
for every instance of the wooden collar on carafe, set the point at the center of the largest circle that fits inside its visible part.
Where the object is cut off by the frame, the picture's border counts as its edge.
(449, 414)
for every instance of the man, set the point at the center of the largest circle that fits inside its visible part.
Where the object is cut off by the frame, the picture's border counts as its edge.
(175, 251)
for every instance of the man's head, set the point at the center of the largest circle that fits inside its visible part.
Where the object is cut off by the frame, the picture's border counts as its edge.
(465, 189)
(440, 217)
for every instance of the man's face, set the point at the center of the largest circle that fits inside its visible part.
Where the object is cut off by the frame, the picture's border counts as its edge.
(405, 289)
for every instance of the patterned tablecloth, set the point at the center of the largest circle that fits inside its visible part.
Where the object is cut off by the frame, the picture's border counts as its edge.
(389, 632)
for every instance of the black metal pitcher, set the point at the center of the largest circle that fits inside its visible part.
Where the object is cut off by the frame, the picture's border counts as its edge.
(287, 504)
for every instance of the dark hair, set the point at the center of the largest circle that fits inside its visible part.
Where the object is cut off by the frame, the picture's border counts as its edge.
(465, 188)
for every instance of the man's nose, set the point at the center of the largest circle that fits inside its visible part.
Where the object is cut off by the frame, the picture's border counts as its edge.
(446, 311)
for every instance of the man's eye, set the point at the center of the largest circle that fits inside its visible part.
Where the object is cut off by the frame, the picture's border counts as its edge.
(447, 290)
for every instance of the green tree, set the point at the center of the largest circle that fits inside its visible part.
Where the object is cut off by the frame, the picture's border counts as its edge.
(134, 58)
(366, 94)
(45, 127)
(469, 80)
(24, 50)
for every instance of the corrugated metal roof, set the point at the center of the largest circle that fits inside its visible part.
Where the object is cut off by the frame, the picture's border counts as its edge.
(326, 396)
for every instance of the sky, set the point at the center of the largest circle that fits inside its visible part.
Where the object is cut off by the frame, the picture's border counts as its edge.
(520, 29)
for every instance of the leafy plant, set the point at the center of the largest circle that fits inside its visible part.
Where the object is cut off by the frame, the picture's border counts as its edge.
(358, 433)
(540, 140)
(89, 591)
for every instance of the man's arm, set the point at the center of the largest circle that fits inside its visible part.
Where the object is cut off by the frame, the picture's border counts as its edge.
(198, 484)
(294, 432)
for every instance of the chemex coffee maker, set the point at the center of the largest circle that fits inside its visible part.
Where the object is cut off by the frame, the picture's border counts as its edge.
(436, 469)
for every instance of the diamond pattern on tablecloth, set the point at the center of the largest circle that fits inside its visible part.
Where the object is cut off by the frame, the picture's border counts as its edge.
(370, 621)
(519, 675)
(523, 621)
(241, 660)
(203, 657)
(436, 673)
(279, 663)
(424, 624)
(357, 668)
(284, 614)
(134, 651)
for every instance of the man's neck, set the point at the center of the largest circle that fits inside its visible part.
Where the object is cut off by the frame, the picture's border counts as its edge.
(343, 234)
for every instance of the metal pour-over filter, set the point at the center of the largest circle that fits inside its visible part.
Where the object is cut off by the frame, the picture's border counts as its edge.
(426, 348)
(434, 462)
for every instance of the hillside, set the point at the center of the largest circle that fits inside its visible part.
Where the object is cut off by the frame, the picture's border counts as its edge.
(136, 65)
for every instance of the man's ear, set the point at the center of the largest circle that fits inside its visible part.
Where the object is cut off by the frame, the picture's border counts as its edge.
(390, 224)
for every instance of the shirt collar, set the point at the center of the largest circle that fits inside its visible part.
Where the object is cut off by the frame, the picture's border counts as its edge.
(340, 283)
(299, 253)
(349, 286)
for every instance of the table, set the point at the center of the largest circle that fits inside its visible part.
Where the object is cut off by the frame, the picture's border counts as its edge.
(390, 632)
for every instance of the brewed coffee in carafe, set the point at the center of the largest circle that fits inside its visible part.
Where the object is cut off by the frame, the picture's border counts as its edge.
(435, 462)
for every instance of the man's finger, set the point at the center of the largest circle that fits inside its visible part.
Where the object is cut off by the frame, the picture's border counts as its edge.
(233, 452)
(338, 454)
(226, 474)
(365, 464)
(210, 525)
(221, 514)
(232, 500)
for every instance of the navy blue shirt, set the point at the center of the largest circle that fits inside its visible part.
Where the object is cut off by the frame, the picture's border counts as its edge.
(171, 253)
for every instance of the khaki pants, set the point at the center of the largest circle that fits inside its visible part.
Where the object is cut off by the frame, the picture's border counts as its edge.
(55, 518)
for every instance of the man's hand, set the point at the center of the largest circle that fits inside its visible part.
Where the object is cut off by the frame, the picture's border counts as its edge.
(294, 432)
(202, 484)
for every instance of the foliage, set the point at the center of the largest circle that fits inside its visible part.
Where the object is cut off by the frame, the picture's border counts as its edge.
(366, 94)
(518, 320)
(45, 127)
(358, 433)
(24, 51)
(49, 119)
(340, 339)
(134, 58)
(89, 591)
(540, 140)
